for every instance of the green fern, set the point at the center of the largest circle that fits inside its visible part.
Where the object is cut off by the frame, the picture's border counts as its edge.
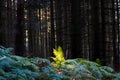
(16, 68)
(59, 56)
(21, 68)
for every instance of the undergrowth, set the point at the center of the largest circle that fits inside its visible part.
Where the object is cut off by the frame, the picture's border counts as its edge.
(14, 67)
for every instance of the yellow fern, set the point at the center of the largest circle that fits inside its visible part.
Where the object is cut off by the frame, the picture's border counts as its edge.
(59, 56)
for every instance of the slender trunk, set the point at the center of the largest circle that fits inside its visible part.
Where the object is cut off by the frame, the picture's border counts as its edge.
(19, 42)
(116, 54)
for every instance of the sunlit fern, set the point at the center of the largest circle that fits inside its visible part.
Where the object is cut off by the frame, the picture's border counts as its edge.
(59, 56)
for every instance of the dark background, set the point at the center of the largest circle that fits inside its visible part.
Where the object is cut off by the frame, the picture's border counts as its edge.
(83, 28)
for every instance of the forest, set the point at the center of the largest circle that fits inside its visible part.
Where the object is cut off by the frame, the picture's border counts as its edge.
(59, 40)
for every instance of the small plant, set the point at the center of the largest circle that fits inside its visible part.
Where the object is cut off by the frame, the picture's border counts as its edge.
(98, 61)
(59, 56)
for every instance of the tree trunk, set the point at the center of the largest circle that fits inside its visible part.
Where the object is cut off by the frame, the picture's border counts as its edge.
(19, 42)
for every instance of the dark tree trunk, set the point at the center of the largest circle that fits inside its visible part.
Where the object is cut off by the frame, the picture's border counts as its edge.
(52, 36)
(76, 46)
(1, 23)
(19, 42)
(116, 37)
(81, 29)
(98, 30)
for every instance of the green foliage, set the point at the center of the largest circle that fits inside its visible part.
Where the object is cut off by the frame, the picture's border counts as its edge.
(80, 69)
(51, 73)
(98, 61)
(16, 67)
(20, 68)
(117, 76)
(59, 56)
